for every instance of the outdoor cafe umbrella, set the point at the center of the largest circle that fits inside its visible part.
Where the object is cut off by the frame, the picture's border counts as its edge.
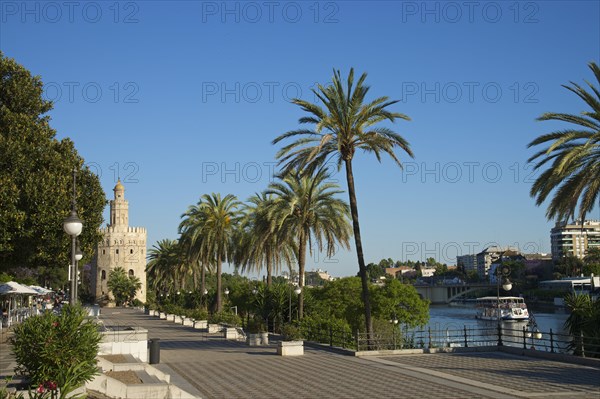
(13, 289)
(40, 290)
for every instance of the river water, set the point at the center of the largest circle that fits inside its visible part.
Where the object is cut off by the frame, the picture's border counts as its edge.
(444, 317)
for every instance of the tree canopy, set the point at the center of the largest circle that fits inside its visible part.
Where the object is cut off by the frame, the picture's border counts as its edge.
(36, 183)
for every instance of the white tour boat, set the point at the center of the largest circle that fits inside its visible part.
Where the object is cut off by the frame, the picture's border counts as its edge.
(507, 307)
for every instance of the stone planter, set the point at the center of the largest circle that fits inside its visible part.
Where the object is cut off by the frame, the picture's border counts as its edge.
(170, 317)
(201, 324)
(177, 320)
(162, 315)
(264, 338)
(290, 348)
(230, 333)
(214, 328)
(188, 322)
(253, 339)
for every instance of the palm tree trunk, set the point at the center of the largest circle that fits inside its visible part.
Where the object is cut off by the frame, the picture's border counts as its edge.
(359, 250)
(301, 263)
(203, 282)
(219, 304)
(269, 271)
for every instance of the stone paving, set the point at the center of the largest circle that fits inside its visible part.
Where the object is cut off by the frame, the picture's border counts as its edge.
(208, 366)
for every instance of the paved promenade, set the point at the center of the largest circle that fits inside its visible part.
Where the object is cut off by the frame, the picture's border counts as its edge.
(208, 366)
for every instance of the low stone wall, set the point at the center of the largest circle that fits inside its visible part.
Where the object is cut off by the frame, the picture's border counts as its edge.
(129, 340)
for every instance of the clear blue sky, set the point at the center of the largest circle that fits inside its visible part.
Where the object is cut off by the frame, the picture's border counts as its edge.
(183, 98)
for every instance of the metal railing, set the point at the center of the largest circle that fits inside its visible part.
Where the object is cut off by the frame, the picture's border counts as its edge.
(481, 337)
(331, 336)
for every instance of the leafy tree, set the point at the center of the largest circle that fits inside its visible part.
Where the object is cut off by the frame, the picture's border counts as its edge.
(401, 300)
(36, 182)
(347, 124)
(57, 350)
(341, 299)
(569, 265)
(374, 271)
(591, 262)
(306, 212)
(473, 276)
(573, 179)
(123, 286)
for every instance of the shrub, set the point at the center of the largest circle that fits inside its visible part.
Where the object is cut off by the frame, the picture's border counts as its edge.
(256, 325)
(57, 349)
(197, 314)
(291, 332)
(330, 330)
(225, 318)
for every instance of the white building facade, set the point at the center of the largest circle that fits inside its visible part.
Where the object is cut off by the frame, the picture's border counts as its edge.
(574, 238)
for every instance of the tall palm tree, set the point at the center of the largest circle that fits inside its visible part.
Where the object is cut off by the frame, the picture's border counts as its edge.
(573, 179)
(164, 268)
(193, 244)
(305, 211)
(345, 125)
(219, 218)
(260, 243)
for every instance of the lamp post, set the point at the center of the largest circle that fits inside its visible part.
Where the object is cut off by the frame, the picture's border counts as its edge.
(502, 273)
(297, 291)
(394, 322)
(73, 227)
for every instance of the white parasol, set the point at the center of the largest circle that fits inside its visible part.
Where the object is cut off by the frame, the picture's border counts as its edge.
(13, 288)
(40, 290)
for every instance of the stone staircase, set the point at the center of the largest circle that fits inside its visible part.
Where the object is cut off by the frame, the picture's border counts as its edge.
(125, 377)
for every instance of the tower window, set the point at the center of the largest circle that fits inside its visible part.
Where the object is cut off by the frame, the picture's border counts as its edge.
(131, 272)
(117, 251)
(103, 274)
(104, 252)
(131, 251)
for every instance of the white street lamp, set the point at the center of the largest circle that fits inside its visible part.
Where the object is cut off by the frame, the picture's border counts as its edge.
(73, 227)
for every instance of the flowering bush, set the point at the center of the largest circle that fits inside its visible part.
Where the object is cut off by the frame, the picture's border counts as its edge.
(57, 351)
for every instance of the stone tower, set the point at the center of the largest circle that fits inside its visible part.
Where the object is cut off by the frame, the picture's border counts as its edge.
(121, 246)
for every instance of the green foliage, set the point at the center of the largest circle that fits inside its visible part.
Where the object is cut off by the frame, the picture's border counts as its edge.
(592, 262)
(330, 330)
(375, 271)
(571, 181)
(123, 286)
(256, 325)
(36, 182)
(341, 299)
(583, 322)
(225, 318)
(401, 300)
(291, 332)
(569, 265)
(309, 215)
(196, 314)
(61, 348)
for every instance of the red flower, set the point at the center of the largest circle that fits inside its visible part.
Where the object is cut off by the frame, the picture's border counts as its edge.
(51, 385)
(55, 324)
(41, 389)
